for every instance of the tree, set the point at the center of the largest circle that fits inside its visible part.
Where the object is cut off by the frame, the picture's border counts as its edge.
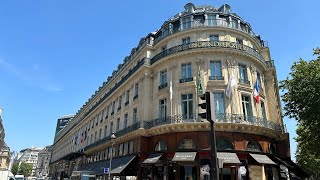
(14, 168)
(24, 169)
(302, 102)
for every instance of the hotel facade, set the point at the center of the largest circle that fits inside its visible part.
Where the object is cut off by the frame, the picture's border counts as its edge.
(150, 103)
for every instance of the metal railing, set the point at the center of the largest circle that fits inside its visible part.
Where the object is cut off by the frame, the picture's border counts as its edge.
(208, 44)
(216, 78)
(193, 118)
(178, 27)
(220, 118)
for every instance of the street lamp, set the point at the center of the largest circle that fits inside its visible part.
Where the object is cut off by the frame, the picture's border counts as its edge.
(112, 137)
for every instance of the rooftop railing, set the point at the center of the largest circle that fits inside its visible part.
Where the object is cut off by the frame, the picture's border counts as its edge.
(178, 27)
(208, 44)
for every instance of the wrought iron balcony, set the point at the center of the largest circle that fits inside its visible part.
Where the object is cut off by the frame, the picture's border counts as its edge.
(220, 118)
(244, 81)
(163, 86)
(193, 118)
(216, 78)
(209, 45)
(189, 79)
(174, 28)
(135, 96)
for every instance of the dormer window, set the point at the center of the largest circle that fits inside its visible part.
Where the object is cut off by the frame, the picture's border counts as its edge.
(189, 8)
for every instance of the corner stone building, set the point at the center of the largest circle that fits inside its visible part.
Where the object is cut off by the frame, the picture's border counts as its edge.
(151, 104)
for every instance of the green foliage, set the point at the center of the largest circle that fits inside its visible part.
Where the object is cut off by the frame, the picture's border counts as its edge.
(14, 168)
(302, 102)
(24, 169)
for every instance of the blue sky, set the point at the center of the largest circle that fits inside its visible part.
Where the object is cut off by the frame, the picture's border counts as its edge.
(55, 54)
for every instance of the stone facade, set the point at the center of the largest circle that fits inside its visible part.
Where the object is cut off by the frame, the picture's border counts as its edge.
(151, 103)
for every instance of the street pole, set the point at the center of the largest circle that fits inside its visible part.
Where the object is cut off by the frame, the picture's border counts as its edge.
(110, 161)
(112, 137)
(214, 174)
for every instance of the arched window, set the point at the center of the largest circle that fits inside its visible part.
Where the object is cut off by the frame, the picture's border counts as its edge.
(187, 144)
(160, 146)
(272, 150)
(224, 144)
(254, 146)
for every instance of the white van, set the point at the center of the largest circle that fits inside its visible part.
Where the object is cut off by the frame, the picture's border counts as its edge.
(19, 177)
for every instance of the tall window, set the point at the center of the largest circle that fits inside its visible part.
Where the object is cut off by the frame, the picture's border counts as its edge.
(186, 71)
(118, 124)
(215, 70)
(214, 38)
(263, 111)
(127, 97)
(212, 20)
(243, 74)
(111, 128)
(100, 132)
(163, 108)
(134, 115)
(105, 131)
(187, 105)
(119, 102)
(112, 108)
(186, 40)
(125, 121)
(136, 89)
(246, 107)
(107, 112)
(259, 80)
(163, 78)
(218, 103)
(186, 23)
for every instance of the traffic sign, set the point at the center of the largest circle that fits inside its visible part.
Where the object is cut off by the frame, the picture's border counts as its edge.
(105, 170)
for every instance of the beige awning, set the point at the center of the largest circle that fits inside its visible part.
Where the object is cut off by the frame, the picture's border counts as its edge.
(184, 156)
(227, 158)
(152, 159)
(262, 159)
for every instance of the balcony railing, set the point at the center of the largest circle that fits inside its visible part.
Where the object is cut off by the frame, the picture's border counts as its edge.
(174, 28)
(164, 85)
(193, 118)
(244, 81)
(216, 78)
(209, 45)
(189, 79)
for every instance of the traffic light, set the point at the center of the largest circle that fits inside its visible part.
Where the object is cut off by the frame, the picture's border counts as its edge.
(208, 105)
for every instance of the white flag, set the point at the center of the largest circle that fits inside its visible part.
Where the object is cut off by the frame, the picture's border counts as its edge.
(171, 85)
(232, 82)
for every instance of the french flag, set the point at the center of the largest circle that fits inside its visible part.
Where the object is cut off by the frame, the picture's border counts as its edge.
(256, 92)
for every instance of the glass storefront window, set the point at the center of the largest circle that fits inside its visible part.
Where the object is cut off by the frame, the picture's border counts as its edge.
(161, 146)
(187, 144)
(188, 172)
(254, 146)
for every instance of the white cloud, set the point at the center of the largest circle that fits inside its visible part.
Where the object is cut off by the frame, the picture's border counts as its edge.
(33, 77)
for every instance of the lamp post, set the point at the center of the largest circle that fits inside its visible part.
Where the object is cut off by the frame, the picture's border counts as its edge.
(112, 143)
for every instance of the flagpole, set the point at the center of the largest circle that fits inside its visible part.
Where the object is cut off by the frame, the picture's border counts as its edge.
(171, 108)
